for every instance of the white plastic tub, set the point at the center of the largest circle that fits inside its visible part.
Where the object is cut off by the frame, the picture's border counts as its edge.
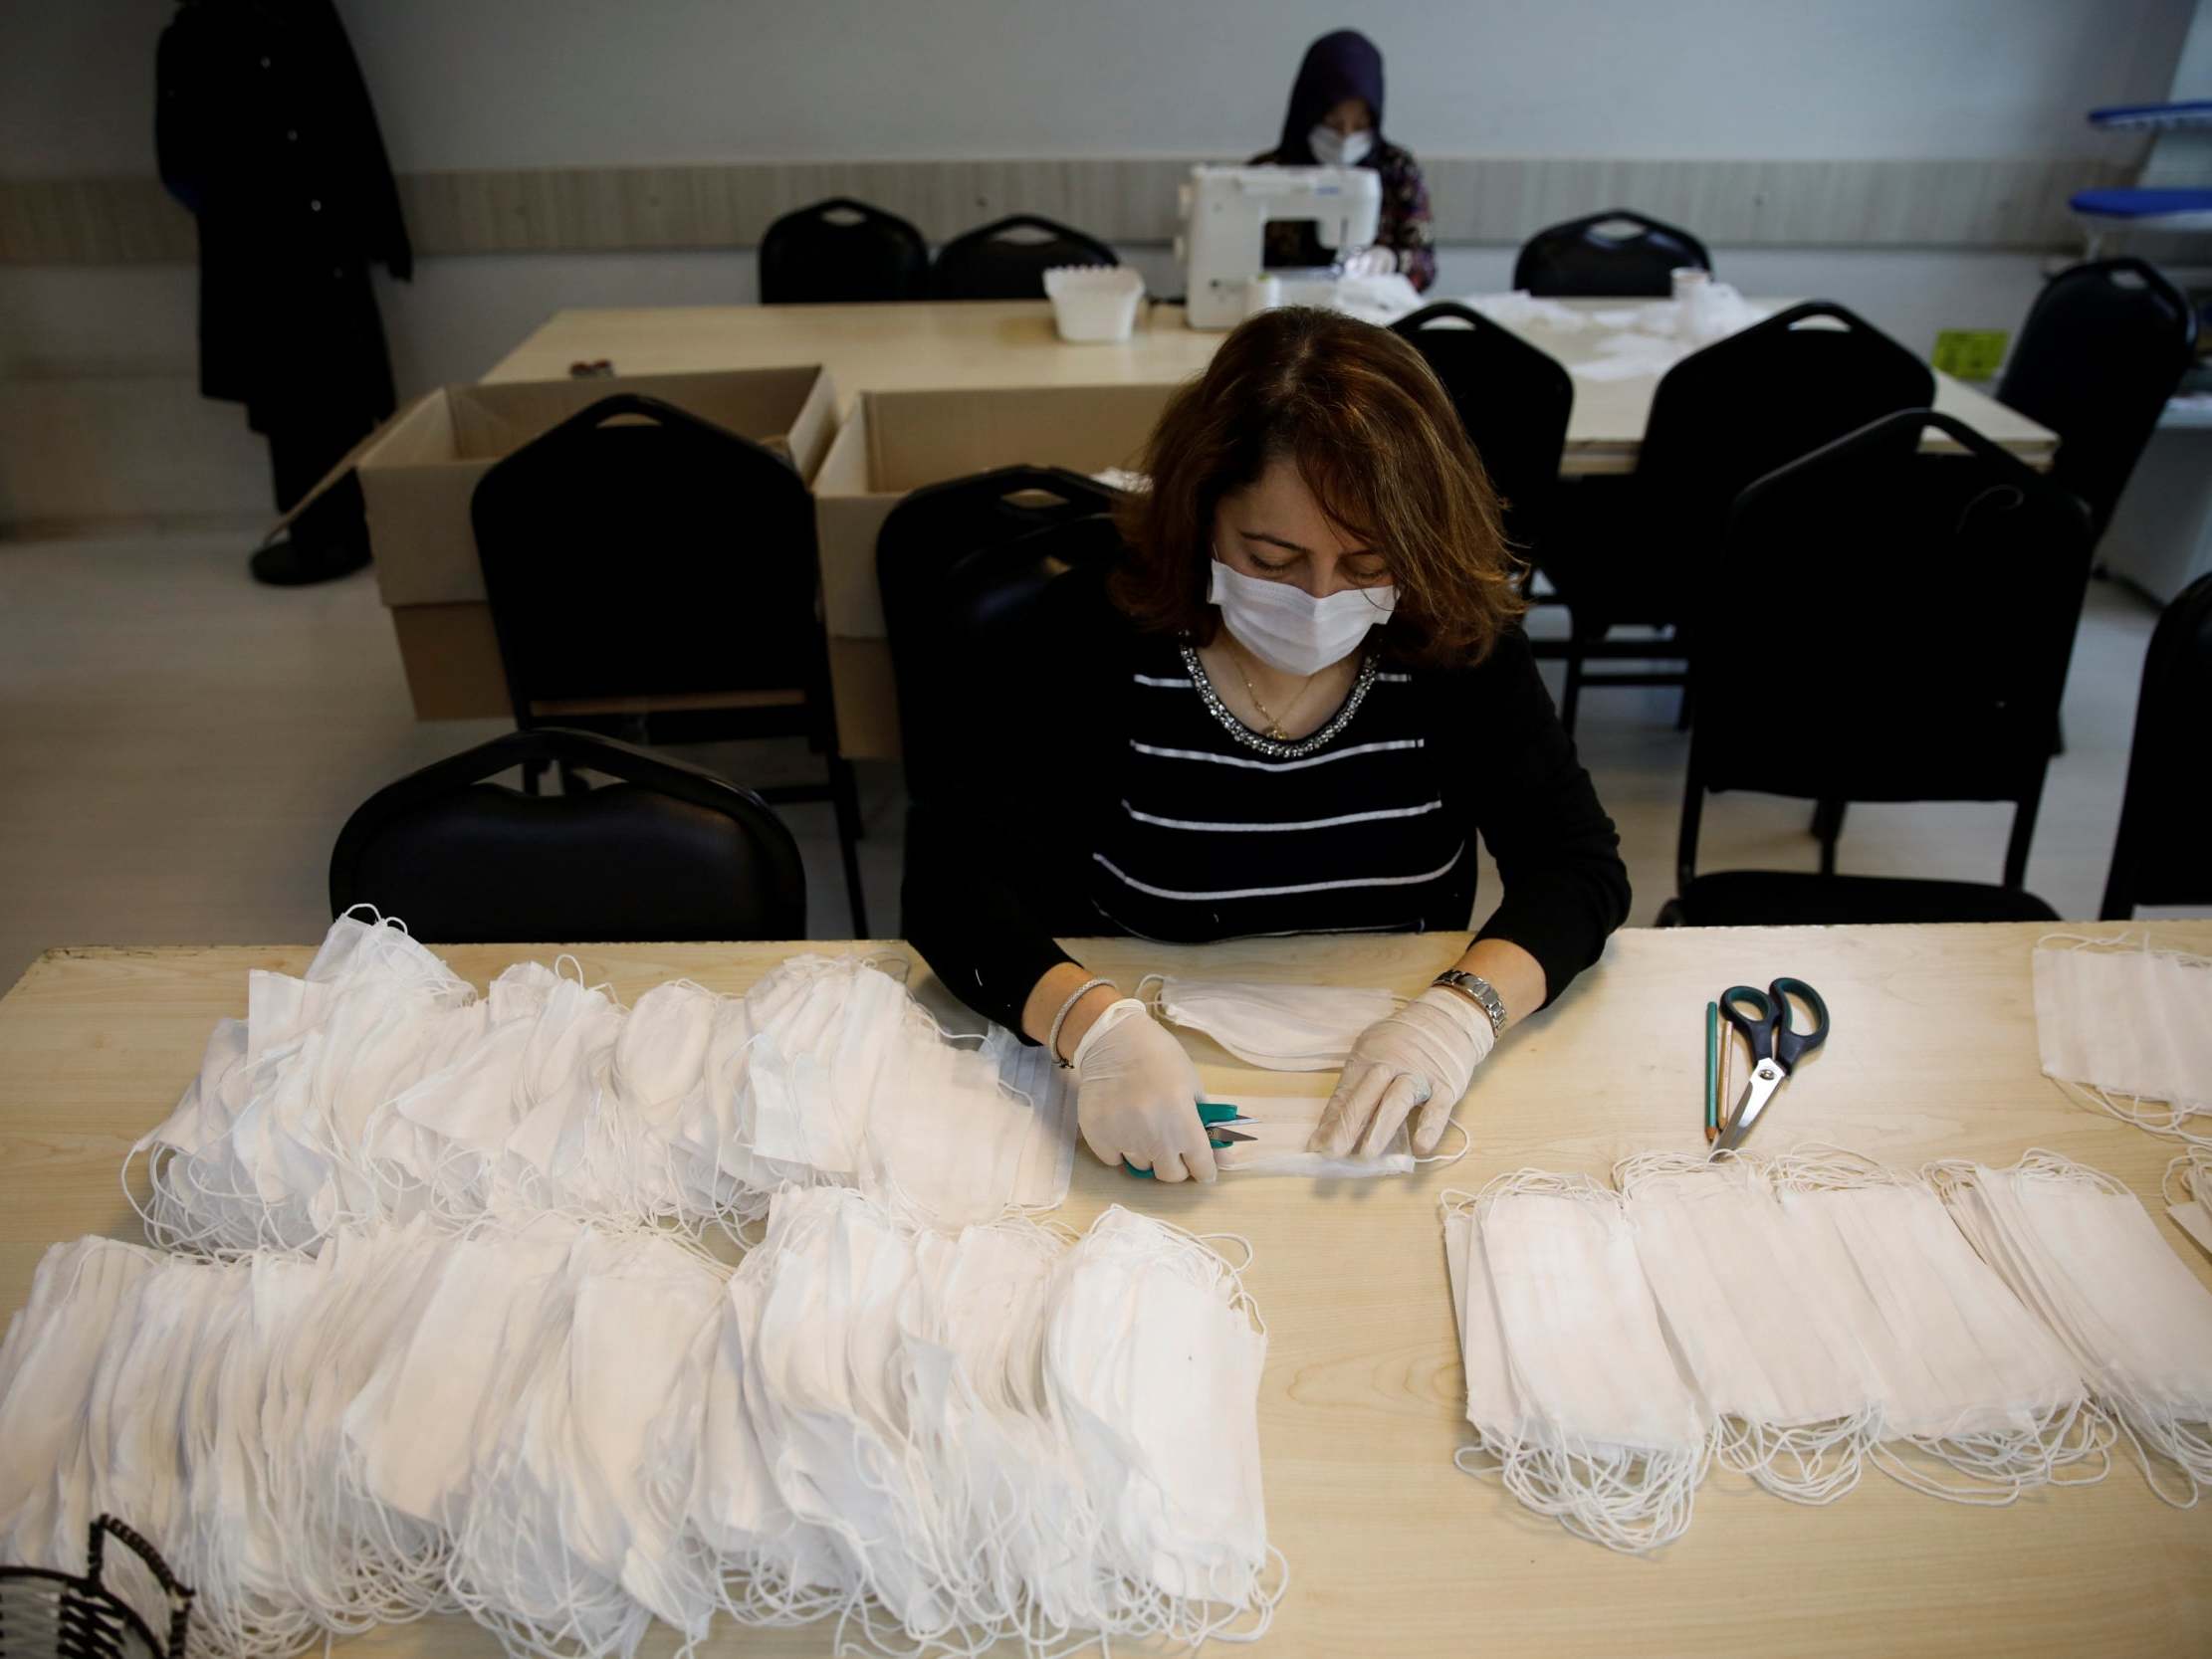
(1092, 303)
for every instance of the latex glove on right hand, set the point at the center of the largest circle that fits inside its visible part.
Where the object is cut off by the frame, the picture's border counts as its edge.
(1137, 1095)
(1421, 1056)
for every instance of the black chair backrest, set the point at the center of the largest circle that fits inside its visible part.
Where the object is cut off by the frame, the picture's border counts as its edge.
(841, 250)
(2163, 855)
(957, 559)
(1513, 399)
(637, 551)
(1877, 630)
(1612, 252)
(2102, 350)
(1007, 259)
(1759, 400)
(666, 852)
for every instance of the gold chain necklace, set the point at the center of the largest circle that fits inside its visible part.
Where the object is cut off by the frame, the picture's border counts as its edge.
(1275, 727)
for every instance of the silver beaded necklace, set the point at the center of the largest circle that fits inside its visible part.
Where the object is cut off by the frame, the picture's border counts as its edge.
(1278, 748)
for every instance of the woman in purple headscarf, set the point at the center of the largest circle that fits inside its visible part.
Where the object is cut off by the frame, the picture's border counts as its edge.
(1336, 119)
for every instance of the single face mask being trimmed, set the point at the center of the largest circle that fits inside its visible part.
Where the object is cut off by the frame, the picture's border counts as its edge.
(1279, 1028)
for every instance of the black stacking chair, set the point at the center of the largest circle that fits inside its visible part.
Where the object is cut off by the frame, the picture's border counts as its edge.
(664, 851)
(959, 559)
(1720, 418)
(1513, 400)
(1612, 252)
(653, 576)
(2163, 854)
(839, 252)
(2102, 350)
(968, 570)
(1007, 259)
(1818, 679)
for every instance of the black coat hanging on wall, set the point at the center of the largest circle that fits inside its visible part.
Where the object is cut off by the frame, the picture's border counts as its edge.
(265, 132)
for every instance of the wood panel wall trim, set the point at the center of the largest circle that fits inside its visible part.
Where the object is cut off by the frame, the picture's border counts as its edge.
(1498, 201)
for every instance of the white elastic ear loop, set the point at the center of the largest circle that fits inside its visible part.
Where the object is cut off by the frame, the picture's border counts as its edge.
(1239, 1268)
(1467, 1146)
(1153, 1001)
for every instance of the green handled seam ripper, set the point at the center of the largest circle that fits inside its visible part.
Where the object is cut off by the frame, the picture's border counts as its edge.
(1213, 1113)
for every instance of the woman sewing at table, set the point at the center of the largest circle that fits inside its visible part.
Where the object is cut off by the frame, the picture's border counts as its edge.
(1288, 707)
(1335, 120)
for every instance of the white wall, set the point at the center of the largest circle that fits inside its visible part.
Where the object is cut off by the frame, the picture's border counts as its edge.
(994, 78)
(92, 361)
(559, 82)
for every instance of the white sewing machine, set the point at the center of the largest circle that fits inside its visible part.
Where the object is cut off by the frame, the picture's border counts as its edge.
(1225, 211)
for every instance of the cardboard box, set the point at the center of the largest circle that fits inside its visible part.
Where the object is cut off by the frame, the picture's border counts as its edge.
(894, 442)
(451, 655)
(866, 693)
(419, 472)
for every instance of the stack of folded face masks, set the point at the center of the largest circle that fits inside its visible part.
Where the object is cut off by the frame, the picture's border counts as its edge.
(381, 1088)
(1798, 1318)
(2188, 1194)
(2083, 1253)
(2127, 1030)
(941, 1440)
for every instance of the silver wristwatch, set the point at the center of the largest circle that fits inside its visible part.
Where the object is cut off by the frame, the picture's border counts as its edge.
(1474, 986)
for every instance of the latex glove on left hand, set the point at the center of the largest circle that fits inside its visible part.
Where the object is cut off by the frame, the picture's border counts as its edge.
(1421, 1056)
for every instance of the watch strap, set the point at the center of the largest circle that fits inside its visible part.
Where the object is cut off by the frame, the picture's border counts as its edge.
(1480, 988)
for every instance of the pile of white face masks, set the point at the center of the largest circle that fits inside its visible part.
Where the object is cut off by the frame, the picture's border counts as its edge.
(1573, 1398)
(938, 1439)
(1802, 1316)
(2188, 1194)
(2127, 1030)
(379, 1088)
(2082, 1253)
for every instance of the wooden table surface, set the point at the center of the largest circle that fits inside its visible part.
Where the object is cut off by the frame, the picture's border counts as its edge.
(937, 345)
(1392, 1549)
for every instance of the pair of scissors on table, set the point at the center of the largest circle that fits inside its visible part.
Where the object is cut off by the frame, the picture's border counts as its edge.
(1214, 1114)
(1776, 1047)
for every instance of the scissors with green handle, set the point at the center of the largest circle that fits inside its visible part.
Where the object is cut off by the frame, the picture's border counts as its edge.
(1775, 1047)
(1213, 1113)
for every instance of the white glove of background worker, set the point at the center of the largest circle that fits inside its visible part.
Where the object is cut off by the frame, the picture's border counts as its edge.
(1137, 1095)
(1423, 1056)
(1370, 262)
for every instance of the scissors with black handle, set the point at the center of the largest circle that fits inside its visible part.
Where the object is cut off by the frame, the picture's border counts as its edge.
(1776, 1047)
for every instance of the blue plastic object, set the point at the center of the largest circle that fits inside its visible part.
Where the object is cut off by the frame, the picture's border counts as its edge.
(2142, 204)
(2153, 118)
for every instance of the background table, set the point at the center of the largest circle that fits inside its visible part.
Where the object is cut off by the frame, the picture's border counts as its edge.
(1391, 1549)
(937, 345)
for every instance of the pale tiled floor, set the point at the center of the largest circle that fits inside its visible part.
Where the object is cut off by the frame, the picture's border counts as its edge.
(178, 748)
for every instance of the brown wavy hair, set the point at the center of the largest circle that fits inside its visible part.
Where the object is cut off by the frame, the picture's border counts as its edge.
(1375, 438)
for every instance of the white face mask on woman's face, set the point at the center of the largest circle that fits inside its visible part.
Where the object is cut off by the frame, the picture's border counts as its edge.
(1290, 630)
(1339, 150)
